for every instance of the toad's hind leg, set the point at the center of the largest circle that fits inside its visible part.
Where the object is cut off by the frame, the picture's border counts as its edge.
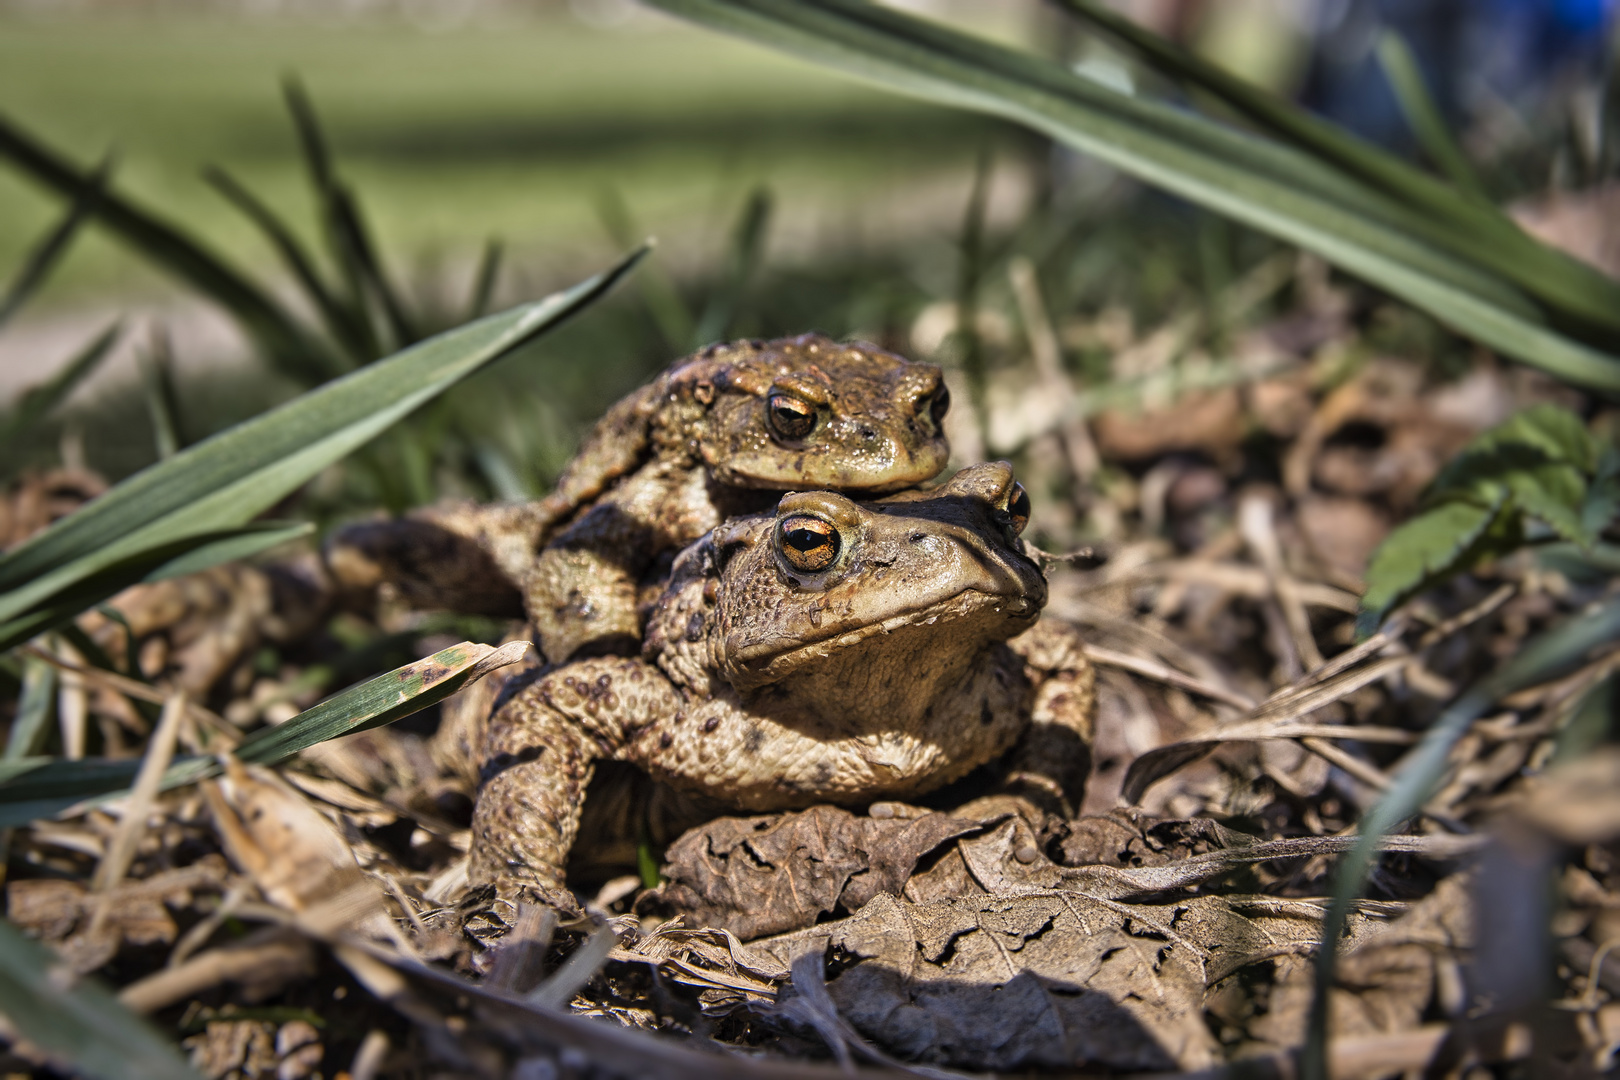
(455, 557)
(538, 756)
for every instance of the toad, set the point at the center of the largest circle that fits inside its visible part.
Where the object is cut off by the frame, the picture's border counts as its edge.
(829, 651)
(722, 432)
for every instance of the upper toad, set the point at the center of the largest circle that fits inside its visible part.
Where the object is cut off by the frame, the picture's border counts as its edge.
(719, 433)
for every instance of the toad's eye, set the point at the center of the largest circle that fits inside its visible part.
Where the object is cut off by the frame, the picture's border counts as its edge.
(789, 417)
(808, 544)
(1018, 508)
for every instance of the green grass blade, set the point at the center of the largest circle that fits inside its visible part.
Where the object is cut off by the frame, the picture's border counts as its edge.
(1545, 657)
(323, 185)
(39, 787)
(400, 321)
(340, 321)
(971, 260)
(262, 317)
(1270, 187)
(183, 556)
(223, 482)
(77, 1021)
(489, 272)
(38, 402)
(242, 543)
(669, 312)
(162, 403)
(346, 235)
(503, 478)
(51, 249)
(742, 261)
(31, 725)
(1423, 115)
(380, 701)
(1468, 225)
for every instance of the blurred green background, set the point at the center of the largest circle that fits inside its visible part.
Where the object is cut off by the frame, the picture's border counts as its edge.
(561, 131)
(784, 198)
(509, 125)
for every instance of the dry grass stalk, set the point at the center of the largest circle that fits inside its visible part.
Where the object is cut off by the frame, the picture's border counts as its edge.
(159, 752)
(122, 684)
(1165, 674)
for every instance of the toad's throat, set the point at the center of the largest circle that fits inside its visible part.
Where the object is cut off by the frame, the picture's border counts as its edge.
(964, 622)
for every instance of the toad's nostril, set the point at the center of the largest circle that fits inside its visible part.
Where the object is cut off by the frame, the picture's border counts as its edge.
(869, 434)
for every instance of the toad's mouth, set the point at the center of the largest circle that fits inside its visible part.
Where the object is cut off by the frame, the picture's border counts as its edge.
(973, 614)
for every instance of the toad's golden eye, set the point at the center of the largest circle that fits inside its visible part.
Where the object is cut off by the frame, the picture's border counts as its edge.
(808, 544)
(1018, 507)
(789, 417)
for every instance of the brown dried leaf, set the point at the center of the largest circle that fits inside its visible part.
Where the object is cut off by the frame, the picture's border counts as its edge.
(1582, 223)
(999, 982)
(37, 499)
(61, 912)
(47, 908)
(259, 966)
(295, 855)
(1387, 977)
(725, 971)
(770, 874)
(1131, 838)
(1576, 801)
(1344, 532)
(1208, 420)
(289, 848)
(243, 1047)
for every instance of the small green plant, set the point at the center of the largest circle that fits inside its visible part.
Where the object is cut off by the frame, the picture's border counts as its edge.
(1539, 472)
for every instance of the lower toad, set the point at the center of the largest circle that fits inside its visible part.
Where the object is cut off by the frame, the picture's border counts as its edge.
(831, 651)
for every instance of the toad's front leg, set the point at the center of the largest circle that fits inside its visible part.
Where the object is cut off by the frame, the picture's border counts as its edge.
(1051, 762)
(539, 752)
(582, 588)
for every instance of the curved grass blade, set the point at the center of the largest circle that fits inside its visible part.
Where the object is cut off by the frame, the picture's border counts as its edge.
(1423, 116)
(345, 231)
(37, 402)
(77, 1021)
(222, 483)
(31, 788)
(675, 323)
(1470, 226)
(31, 724)
(1546, 657)
(742, 260)
(50, 250)
(317, 162)
(340, 321)
(401, 323)
(489, 270)
(156, 363)
(263, 318)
